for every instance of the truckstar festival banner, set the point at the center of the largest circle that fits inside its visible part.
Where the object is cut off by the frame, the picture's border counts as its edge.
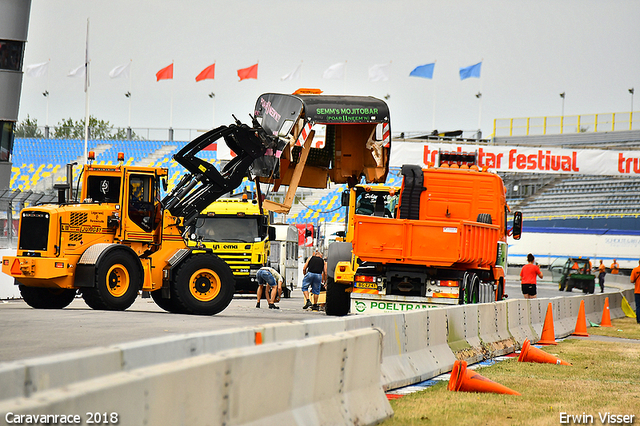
(525, 159)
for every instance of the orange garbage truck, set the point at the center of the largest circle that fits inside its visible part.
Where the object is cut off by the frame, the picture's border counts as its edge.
(441, 238)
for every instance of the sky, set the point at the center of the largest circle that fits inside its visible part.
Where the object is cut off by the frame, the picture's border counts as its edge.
(531, 51)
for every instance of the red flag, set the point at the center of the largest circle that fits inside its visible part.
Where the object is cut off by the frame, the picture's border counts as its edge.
(250, 72)
(165, 73)
(207, 73)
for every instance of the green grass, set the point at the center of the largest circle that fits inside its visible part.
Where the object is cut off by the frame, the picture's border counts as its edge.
(626, 328)
(604, 377)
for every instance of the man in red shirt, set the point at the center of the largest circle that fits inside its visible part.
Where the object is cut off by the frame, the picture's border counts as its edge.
(528, 277)
(635, 278)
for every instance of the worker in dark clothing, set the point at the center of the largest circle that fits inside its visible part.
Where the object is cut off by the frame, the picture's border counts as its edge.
(315, 273)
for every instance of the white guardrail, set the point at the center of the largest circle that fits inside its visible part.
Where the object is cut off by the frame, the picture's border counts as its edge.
(338, 369)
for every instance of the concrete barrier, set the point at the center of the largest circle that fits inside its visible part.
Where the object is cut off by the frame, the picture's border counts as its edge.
(397, 368)
(437, 340)
(537, 311)
(564, 322)
(234, 387)
(462, 325)
(615, 305)
(519, 321)
(506, 343)
(489, 334)
(628, 294)
(13, 376)
(416, 345)
(591, 308)
(158, 350)
(574, 309)
(24, 378)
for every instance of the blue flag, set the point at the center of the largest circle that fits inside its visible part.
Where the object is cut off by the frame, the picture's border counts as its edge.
(424, 71)
(470, 71)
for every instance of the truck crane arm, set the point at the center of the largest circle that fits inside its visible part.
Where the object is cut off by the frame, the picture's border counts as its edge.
(204, 183)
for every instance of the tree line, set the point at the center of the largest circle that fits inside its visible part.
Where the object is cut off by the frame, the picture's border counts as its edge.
(72, 129)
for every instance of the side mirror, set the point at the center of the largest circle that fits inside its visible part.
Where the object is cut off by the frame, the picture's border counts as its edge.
(345, 198)
(517, 225)
(272, 233)
(165, 185)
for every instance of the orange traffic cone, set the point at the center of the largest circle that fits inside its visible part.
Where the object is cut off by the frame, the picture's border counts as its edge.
(548, 336)
(606, 317)
(581, 324)
(464, 380)
(532, 354)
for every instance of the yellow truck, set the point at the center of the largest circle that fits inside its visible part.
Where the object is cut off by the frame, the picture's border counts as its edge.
(237, 230)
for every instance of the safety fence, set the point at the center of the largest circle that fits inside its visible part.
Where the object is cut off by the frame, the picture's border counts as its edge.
(554, 125)
(328, 371)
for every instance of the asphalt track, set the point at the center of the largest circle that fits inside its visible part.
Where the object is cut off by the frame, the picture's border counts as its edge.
(27, 333)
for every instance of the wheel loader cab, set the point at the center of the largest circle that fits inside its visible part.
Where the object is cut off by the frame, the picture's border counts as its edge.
(142, 205)
(134, 193)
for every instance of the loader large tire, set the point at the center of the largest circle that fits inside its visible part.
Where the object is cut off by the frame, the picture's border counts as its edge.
(117, 282)
(47, 298)
(203, 285)
(168, 305)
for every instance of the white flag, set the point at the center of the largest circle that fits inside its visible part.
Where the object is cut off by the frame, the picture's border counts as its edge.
(379, 72)
(335, 71)
(293, 75)
(121, 71)
(37, 70)
(77, 72)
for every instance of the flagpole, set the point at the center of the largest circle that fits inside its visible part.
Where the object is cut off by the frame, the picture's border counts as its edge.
(433, 118)
(171, 110)
(130, 67)
(480, 107)
(86, 100)
(213, 98)
(47, 92)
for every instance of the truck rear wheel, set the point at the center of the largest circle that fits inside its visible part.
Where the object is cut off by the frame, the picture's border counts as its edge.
(338, 300)
(47, 298)
(462, 289)
(116, 284)
(500, 290)
(473, 289)
(203, 285)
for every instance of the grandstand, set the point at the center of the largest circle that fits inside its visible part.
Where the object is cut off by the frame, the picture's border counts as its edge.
(39, 163)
